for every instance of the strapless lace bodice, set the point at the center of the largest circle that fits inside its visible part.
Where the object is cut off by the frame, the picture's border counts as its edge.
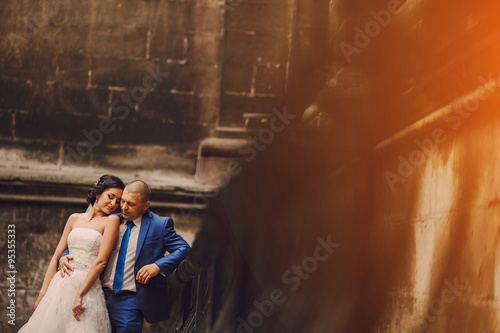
(83, 245)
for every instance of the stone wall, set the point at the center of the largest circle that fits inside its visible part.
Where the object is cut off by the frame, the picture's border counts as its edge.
(429, 121)
(433, 244)
(151, 67)
(256, 57)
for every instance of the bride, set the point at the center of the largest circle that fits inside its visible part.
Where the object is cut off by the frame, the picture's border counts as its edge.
(75, 303)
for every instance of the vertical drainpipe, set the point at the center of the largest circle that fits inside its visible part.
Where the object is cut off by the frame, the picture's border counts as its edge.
(291, 42)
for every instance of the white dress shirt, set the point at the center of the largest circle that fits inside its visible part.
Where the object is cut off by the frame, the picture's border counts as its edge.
(128, 270)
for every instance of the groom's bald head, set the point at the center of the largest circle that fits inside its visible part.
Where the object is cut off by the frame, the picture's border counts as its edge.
(135, 200)
(141, 188)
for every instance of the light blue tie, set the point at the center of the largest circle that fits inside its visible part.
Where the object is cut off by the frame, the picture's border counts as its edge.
(120, 264)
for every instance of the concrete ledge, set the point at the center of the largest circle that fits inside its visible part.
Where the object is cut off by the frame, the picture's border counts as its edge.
(71, 193)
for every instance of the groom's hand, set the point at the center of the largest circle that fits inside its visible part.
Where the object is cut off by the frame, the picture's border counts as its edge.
(147, 272)
(64, 265)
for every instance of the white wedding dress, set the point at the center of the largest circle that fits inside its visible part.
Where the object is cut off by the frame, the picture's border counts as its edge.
(54, 312)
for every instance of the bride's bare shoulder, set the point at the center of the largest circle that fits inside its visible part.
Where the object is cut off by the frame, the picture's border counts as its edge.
(76, 216)
(112, 217)
(111, 221)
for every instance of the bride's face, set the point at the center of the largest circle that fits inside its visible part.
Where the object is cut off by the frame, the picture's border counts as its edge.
(109, 200)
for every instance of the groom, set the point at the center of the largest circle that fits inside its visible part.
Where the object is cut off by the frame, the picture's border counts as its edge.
(134, 279)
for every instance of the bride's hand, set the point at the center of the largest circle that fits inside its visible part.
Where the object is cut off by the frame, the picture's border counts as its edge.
(77, 307)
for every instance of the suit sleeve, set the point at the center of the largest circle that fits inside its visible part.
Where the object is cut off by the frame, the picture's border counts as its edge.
(177, 247)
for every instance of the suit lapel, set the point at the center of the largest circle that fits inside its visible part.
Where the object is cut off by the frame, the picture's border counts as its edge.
(146, 221)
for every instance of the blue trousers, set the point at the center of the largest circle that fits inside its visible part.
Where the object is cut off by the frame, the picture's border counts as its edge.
(124, 313)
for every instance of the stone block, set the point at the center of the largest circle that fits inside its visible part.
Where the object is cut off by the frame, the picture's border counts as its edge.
(43, 98)
(251, 48)
(66, 127)
(194, 115)
(206, 19)
(173, 107)
(187, 16)
(166, 106)
(123, 15)
(73, 70)
(5, 123)
(233, 107)
(117, 43)
(208, 107)
(204, 48)
(196, 77)
(81, 100)
(140, 130)
(187, 78)
(15, 64)
(262, 18)
(68, 40)
(236, 77)
(123, 104)
(124, 73)
(71, 13)
(168, 45)
(270, 79)
(30, 61)
(16, 94)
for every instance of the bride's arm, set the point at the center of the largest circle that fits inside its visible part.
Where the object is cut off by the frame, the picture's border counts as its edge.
(52, 269)
(105, 248)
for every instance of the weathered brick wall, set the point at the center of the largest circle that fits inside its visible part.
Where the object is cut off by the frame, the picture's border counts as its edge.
(256, 57)
(151, 67)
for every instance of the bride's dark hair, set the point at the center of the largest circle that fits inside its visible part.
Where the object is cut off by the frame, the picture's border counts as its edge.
(106, 181)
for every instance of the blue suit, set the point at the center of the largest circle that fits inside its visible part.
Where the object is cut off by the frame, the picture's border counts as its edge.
(156, 236)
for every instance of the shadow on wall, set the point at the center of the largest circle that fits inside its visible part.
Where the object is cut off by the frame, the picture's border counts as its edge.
(288, 241)
(311, 237)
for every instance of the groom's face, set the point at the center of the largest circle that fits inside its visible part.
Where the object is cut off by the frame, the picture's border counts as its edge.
(132, 205)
